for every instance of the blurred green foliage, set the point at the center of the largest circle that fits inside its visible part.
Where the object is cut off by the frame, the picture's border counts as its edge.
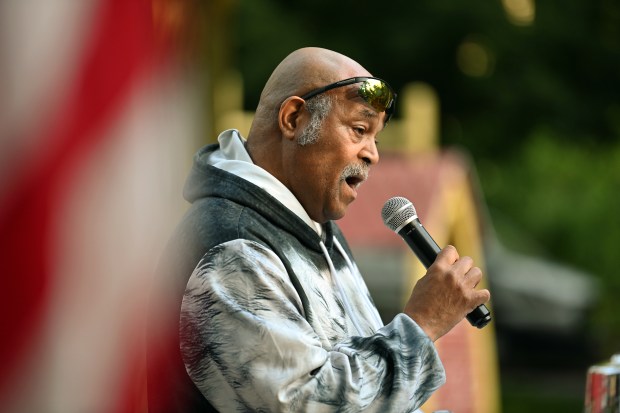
(565, 195)
(542, 122)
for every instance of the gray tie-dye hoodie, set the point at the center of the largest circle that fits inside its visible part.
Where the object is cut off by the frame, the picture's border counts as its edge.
(276, 317)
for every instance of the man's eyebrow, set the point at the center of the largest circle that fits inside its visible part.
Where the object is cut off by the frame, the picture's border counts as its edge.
(367, 113)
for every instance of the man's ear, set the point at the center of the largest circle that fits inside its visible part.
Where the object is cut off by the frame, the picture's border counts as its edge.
(291, 112)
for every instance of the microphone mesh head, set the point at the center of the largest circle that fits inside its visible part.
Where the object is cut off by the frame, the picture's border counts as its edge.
(397, 212)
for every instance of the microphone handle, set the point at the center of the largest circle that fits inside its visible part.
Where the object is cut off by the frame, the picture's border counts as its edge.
(426, 249)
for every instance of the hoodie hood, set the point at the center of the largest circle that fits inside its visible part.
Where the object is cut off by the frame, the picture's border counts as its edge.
(209, 181)
(231, 156)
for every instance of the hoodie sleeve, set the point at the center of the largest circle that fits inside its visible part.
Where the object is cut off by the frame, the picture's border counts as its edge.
(247, 346)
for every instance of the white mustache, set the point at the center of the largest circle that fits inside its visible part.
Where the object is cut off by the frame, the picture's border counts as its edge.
(356, 169)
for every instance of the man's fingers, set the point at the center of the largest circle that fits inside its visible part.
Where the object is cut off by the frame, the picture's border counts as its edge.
(462, 271)
(482, 296)
(448, 254)
(473, 277)
(463, 265)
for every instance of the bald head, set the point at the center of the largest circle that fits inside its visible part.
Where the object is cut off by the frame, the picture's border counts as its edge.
(301, 71)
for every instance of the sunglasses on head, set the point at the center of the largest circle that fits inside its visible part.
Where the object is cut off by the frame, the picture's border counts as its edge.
(376, 92)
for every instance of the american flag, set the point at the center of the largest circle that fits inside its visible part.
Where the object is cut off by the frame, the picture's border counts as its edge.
(96, 127)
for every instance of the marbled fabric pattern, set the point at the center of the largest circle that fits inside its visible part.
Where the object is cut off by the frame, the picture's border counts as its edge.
(248, 346)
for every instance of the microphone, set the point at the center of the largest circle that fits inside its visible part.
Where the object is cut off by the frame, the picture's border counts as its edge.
(400, 216)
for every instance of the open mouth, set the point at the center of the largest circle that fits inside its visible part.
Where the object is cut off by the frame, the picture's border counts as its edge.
(354, 181)
(354, 174)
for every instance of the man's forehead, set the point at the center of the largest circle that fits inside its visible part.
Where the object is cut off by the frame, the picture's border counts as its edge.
(352, 94)
(361, 108)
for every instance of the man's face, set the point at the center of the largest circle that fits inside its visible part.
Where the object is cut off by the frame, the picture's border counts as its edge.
(326, 174)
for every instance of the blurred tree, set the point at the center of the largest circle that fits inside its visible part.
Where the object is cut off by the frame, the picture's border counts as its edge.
(558, 71)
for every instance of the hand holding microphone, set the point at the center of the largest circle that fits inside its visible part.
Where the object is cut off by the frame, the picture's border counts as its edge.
(447, 292)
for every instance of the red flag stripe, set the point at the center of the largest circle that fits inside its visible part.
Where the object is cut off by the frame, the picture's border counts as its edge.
(121, 51)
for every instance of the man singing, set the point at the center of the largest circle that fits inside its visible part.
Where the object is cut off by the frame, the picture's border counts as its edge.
(272, 311)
